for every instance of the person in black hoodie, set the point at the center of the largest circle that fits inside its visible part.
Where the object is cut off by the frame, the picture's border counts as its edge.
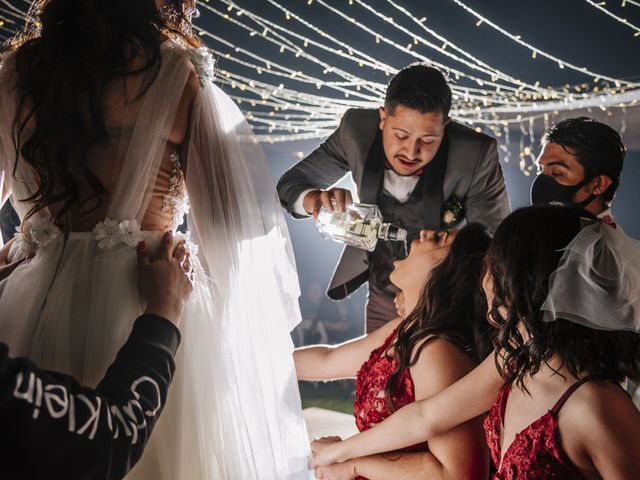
(53, 427)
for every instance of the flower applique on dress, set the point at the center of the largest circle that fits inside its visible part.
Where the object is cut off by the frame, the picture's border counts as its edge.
(39, 232)
(111, 233)
(204, 63)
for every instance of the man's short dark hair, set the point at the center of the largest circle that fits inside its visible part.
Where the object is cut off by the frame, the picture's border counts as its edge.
(597, 147)
(419, 87)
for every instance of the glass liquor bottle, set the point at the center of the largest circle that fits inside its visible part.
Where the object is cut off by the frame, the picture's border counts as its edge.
(360, 226)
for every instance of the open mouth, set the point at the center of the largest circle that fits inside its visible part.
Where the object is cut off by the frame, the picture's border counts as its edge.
(407, 163)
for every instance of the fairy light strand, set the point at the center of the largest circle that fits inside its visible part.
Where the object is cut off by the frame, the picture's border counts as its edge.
(517, 39)
(609, 13)
(285, 103)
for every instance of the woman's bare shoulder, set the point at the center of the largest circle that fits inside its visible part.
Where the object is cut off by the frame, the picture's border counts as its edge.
(440, 364)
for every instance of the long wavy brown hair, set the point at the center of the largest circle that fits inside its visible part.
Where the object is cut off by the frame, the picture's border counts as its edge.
(525, 250)
(67, 56)
(452, 306)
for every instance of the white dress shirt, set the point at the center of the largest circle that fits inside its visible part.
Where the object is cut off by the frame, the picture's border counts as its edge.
(397, 186)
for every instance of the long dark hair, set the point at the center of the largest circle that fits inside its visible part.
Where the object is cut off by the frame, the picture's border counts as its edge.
(525, 250)
(451, 306)
(69, 53)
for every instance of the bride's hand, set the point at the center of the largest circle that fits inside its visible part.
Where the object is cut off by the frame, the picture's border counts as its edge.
(324, 451)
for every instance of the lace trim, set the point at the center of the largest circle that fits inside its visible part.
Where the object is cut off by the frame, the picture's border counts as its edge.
(204, 63)
(176, 199)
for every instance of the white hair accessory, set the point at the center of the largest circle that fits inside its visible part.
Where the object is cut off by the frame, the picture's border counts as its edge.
(597, 282)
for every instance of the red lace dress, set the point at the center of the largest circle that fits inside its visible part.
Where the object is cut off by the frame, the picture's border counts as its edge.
(370, 407)
(535, 453)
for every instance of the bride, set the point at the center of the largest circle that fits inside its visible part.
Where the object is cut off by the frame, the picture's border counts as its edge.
(111, 129)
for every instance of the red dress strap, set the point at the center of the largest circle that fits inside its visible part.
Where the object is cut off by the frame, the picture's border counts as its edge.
(565, 396)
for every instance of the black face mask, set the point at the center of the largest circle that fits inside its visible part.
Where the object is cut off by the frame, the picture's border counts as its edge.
(546, 190)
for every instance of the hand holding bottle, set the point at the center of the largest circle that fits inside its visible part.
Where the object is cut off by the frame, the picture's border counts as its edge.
(334, 198)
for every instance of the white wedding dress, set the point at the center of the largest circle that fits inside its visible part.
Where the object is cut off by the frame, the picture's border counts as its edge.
(233, 410)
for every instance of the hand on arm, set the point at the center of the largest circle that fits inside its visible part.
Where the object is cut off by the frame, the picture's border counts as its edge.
(422, 420)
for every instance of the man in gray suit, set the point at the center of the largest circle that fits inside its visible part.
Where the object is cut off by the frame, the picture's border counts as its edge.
(423, 170)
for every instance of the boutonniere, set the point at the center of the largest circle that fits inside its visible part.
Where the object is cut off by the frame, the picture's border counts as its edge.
(452, 210)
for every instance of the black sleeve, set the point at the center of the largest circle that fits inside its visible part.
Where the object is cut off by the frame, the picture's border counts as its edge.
(52, 427)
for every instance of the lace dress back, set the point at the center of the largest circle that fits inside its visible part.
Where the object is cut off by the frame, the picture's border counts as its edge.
(371, 405)
(234, 408)
(536, 453)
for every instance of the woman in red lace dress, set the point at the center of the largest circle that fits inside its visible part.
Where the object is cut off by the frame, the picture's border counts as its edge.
(413, 358)
(563, 295)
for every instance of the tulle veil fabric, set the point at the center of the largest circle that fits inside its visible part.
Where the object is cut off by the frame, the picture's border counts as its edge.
(234, 408)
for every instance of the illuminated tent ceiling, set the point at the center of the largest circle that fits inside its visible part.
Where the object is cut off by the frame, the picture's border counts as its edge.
(295, 66)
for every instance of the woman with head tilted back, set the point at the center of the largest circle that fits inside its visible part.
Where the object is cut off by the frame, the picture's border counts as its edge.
(110, 128)
(411, 359)
(562, 290)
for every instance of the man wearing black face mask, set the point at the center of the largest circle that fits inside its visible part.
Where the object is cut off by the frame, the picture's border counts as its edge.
(580, 164)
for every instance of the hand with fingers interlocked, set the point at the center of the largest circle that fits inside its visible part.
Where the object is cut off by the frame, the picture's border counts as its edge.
(166, 280)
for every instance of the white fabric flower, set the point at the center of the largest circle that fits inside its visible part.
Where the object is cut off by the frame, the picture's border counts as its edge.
(130, 233)
(107, 233)
(24, 244)
(204, 63)
(43, 231)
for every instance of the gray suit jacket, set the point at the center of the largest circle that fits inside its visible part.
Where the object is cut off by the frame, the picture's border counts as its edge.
(473, 175)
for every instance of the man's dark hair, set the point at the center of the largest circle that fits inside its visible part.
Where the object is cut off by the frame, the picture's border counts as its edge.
(419, 87)
(597, 147)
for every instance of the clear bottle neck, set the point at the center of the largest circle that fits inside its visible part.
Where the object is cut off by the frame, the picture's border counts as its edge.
(388, 231)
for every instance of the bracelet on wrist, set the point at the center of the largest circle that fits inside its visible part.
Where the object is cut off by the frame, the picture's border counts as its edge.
(354, 473)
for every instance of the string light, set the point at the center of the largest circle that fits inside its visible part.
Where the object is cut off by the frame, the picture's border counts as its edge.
(286, 98)
(624, 21)
(518, 39)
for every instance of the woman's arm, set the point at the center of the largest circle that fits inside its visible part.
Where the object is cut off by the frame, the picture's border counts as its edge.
(401, 466)
(325, 362)
(457, 454)
(417, 422)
